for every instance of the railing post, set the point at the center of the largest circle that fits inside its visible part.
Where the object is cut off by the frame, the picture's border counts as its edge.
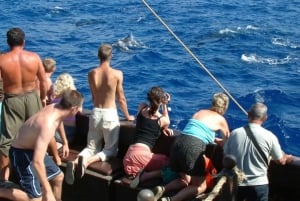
(230, 176)
(145, 195)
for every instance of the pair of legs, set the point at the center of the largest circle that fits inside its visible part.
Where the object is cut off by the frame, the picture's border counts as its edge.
(164, 173)
(104, 127)
(4, 160)
(187, 158)
(142, 177)
(94, 152)
(76, 169)
(253, 193)
(142, 164)
(26, 175)
(56, 184)
(13, 193)
(187, 186)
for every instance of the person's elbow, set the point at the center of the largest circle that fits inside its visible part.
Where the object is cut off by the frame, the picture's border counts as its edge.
(37, 164)
(225, 135)
(279, 162)
(285, 159)
(167, 122)
(122, 100)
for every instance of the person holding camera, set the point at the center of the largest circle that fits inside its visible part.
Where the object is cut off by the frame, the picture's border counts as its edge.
(140, 162)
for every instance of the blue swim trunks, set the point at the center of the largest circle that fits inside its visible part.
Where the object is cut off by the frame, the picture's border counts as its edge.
(21, 163)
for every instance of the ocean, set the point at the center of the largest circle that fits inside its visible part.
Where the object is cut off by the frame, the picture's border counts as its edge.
(250, 47)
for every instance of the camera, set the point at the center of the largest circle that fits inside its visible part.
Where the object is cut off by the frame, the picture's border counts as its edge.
(165, 97)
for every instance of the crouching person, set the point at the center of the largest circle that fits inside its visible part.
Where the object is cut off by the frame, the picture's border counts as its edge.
(187, 152)
(36, 172)
(174, 182)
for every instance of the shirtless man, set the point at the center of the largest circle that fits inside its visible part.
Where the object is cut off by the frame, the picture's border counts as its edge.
(28, 152)
(19, 69)
(106, 86)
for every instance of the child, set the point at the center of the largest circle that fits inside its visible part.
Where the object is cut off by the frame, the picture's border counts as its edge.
(49, 66)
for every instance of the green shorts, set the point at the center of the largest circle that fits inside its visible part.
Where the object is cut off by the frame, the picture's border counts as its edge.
(16, 109)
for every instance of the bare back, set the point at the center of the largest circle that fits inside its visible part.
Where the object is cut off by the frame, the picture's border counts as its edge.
(19, 70)
(38, 130)
(105, 84)
(213, 120)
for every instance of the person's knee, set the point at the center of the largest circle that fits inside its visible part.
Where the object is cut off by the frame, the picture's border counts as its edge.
(202, 188)
(36, 199)
(200, 183)
(59, 178)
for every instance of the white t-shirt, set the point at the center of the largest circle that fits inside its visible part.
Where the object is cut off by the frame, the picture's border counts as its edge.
(248, 158)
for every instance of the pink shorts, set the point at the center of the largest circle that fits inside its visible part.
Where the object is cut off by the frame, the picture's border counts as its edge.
(140, 157)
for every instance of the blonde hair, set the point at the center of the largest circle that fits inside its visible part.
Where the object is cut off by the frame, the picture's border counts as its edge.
(49, 64)
(220, 103)
(63, 82)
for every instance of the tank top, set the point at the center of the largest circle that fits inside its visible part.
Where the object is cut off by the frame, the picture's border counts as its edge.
(199, 130)
(147, 130)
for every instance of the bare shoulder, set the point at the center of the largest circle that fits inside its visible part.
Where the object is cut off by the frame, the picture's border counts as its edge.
(91, 72)
(223, 121)
(200, 114)
(141, 106)
(117, 73)
(210, 117)
(94, 72)
(30, 54)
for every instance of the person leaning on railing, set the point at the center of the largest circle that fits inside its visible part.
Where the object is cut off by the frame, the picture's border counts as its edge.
(253, 150)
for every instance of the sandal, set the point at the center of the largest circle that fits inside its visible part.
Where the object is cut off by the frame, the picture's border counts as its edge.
(80, 168)
(69, 178)
(135, 182)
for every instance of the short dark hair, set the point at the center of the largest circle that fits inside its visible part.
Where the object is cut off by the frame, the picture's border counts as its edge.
(15, 37)
(105, 52)
(71, 98)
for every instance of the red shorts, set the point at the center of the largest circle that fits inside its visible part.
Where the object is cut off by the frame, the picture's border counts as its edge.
(139, 157)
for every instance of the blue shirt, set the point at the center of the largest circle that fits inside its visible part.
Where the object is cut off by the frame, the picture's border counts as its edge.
(199, 130)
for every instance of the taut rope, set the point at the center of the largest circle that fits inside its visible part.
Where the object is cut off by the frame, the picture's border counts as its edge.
(192, 54)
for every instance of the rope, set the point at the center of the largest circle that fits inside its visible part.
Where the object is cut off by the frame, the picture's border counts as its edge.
(216, 190)
(192, 54)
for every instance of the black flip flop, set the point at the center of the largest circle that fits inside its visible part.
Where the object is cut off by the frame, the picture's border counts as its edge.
(80, 168)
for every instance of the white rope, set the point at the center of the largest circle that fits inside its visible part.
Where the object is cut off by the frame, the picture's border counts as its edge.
(192, 54)
(217, 189)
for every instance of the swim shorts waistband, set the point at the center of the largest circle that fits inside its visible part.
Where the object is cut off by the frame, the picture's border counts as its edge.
(10, 95)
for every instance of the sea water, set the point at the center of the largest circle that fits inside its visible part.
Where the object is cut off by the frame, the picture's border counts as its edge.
(250, 47)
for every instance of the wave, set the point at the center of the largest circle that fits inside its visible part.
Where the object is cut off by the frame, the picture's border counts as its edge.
(285, 43)
(237, 30)
(254, 58)
(225, 33)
